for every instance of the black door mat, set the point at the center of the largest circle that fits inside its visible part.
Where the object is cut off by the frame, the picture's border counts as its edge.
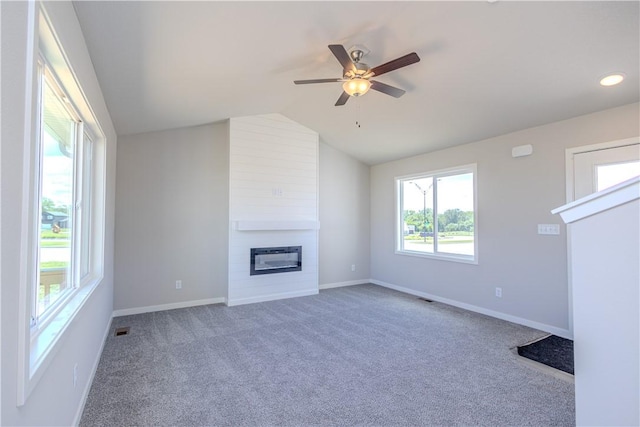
(552, 351)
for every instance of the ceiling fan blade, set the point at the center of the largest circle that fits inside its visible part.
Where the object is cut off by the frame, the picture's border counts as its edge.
(306, 82)
(403, 61)
(342, 56)
(343, 99)
(385, 88)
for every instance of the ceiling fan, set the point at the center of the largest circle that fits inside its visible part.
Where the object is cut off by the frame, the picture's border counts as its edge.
(356, 75)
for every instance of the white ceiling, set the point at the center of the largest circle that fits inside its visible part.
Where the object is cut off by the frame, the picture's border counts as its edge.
(487, 68)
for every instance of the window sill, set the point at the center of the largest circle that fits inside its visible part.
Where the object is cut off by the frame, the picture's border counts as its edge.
(440, 256)
(46, 343)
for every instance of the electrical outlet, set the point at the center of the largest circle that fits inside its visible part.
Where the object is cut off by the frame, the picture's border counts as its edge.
(353, 267)
(75, 375)
(499, 292)
(178, 284)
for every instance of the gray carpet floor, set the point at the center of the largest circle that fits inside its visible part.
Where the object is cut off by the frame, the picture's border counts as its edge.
(355, 356)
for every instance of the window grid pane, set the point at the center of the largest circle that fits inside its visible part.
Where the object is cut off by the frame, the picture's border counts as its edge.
(57, 171)
(455, 214)
(612, 174)
(417, 214)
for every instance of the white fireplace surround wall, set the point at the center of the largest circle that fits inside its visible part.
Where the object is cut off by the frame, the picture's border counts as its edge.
(273, 201)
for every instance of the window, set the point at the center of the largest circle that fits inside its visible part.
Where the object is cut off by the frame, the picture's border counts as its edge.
(608, 175)
(60, 158)
(65, 233)
(437, 214)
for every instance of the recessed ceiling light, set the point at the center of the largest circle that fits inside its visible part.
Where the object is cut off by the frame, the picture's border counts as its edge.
(612, 79)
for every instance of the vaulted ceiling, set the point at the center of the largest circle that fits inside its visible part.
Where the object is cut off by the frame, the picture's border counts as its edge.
(486, 69)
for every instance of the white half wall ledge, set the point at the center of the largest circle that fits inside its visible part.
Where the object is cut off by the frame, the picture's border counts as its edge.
(564, 333)
(263, 225)
(609, 198)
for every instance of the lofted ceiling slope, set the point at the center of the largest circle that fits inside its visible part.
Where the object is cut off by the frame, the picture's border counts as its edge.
(486, 68)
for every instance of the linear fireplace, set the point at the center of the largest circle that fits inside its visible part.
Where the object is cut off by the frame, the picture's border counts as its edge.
(276, 260)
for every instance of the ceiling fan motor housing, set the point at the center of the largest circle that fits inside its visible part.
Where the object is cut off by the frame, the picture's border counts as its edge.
(359, 70)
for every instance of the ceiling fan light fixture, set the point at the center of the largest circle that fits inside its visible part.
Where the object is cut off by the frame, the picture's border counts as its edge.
(356, 86)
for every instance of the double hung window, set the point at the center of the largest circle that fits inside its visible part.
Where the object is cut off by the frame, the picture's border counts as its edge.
(64, 198)
(68, 186)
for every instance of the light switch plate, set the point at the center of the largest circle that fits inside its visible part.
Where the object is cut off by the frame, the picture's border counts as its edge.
(549, 229)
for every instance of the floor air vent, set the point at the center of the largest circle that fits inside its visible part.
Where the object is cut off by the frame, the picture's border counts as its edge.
(122, 331)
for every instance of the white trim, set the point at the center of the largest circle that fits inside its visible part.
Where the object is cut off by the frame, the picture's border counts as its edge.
(271, 297)
(28, 251)
(564, 333)
(440, 172)
(399, 224)
(0, 252)
(570, 152)
(343, 284)
(440, 256)
(170, 306)
(46, 344)
(92, 374)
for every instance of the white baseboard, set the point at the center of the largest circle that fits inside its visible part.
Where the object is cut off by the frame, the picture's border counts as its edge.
(171, 306)
(342, 284)
(564, 333)
(92, 374)
(263, 298)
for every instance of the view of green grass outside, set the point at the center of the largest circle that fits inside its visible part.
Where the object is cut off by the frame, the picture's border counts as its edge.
(457, 242)
(53, 264)
(46, 234)
(49, 239)
(444, 238)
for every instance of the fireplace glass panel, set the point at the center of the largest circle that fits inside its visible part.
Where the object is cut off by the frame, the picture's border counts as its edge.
(276, 260)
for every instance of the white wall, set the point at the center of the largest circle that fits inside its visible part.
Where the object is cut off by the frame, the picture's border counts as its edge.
(54, 401)
(344, 218)
(172, 215)
(195, 164)
(273, 178)
(514, 195)
(605, 264)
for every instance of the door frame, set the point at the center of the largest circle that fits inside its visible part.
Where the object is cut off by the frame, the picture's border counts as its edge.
(570, 152)
(570, 186)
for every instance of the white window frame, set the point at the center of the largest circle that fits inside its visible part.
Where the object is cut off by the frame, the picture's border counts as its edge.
(39, 342)
(399, 217)
(45, 73)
